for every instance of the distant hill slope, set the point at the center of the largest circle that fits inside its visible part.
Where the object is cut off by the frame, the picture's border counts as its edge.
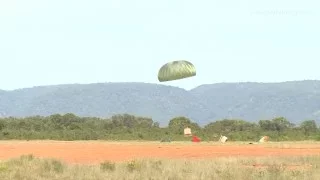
(296, 100)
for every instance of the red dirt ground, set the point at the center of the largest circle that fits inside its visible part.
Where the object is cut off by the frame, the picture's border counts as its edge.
(89, 152)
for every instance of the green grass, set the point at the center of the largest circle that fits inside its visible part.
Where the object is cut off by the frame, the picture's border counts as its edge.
(28, 167)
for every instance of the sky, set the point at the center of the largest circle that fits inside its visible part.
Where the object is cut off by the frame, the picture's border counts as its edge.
(47, 42)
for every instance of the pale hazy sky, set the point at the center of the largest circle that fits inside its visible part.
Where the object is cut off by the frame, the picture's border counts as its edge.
(44, 42)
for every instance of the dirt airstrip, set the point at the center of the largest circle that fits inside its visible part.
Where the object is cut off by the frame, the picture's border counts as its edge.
(90, 152)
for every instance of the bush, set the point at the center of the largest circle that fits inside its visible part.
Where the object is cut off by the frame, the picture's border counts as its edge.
(107, 166)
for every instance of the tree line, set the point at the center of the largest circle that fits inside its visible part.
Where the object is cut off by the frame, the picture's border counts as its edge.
(128, 127)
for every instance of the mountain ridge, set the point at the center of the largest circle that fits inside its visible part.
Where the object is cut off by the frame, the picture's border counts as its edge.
(251, 101)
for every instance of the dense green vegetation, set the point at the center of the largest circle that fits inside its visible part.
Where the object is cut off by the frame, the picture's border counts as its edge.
(128, 127)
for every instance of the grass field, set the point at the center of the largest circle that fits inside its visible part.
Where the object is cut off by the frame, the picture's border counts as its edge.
(153, 160)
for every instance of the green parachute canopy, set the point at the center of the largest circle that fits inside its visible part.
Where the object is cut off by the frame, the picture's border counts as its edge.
(176, 70)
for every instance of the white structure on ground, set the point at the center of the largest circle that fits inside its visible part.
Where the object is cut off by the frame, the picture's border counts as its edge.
(187, 131)
(223, 139)
(264, 139)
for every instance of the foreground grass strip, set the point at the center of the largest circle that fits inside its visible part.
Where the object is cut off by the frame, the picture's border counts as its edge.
(266, 168)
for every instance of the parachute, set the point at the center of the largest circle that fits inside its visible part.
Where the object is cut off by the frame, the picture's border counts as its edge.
(176, 70)
(196, 139)
(264, 139)
(223, 139)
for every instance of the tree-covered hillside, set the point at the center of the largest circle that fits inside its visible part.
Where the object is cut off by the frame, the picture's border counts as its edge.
(297, 101)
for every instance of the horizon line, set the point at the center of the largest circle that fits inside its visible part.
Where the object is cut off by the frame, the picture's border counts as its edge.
(158, 83)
